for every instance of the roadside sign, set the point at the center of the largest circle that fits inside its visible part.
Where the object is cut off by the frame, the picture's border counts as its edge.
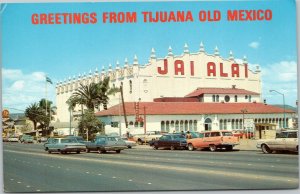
(5, 113)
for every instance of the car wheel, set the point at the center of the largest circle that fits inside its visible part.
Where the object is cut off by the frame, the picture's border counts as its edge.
(172, 148)
(155, 147)
(49, 152)
(212, 148)
(229, 148)
(191, 147)
(129, 146)
(99, 150)
(118, 151)
(87, 150)
(140, 142)
(61, 152)
(265, 149)
(78, 152)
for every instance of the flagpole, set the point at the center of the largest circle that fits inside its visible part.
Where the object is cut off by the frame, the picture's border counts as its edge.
(46, 95)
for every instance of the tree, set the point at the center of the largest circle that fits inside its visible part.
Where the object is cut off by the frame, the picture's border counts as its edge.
(35, 114)
(92, 95)
(89, 125)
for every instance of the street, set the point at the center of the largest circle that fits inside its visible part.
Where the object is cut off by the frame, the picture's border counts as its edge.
(28, 168)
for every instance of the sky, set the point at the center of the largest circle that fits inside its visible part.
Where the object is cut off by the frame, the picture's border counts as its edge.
(30, 52)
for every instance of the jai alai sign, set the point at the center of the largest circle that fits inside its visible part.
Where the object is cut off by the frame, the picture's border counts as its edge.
(213, 69)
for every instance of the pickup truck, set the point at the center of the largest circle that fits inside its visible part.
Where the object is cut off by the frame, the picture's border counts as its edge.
(213, 140)
(146, 138)
(104, 143)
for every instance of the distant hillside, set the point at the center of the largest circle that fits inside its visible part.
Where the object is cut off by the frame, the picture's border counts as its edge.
(286, 107)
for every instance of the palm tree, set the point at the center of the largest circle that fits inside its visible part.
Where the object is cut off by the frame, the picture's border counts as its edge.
(92, 95)
(35, 114)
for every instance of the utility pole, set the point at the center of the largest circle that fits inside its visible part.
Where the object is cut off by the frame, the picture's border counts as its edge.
(123, 104)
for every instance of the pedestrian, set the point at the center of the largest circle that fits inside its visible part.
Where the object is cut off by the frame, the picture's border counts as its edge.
(188, 135)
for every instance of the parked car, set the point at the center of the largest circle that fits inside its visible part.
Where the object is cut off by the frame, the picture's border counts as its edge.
(13, 139)
(41, 139)
(104, 143)
(64, 145)
(78, 138)
(284, 141)
(171, 141)
(26, 139)
(129, 143)
(146, 138)
(213, 140)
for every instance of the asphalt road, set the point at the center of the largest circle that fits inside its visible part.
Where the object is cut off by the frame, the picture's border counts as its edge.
(28, 168)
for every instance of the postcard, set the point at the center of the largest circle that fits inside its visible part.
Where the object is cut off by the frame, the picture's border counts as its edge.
(149, 96)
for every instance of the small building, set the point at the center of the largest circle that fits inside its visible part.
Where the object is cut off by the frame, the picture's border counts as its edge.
(193, 116)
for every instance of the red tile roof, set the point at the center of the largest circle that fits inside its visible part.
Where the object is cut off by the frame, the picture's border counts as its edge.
(192, 108)
(200, 91)
(175, 99)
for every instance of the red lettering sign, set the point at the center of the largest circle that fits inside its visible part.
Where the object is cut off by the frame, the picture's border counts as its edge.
(235, 72)
(163, 70)
(222, 74)
(179, 67)
(211, 68)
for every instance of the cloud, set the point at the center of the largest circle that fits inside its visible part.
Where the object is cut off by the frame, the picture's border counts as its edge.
(254, 45)
(21, 89)
(18, 85)
(282, 77)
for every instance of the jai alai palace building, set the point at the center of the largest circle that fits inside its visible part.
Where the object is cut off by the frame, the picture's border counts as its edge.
(188, 92)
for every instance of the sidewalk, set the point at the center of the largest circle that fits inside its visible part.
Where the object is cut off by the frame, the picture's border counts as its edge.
(247, 144)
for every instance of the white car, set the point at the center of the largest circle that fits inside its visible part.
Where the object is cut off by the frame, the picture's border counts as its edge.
(128, 142)
(13, 139)
(284, 141)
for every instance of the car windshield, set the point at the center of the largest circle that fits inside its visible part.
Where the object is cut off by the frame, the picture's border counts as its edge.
(68, 140)
(178, 137)
(226, 133)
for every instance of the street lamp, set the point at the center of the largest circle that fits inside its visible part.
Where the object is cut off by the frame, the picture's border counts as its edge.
(244, 111)
(284, 124)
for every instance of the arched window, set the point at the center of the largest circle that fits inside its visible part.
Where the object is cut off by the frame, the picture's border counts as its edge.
(249, 98)
(168, 126)
(162, 126)
(280, 123)
(172, 124)
(142, 124)
(191, 125)
(145, 85)
(214, 98)
(232, 124)
(241, 124)
(130, 86)
(130, 123)
(181, 125)
(225, 124)
(221, 124)
(217, 98)
(136, 124)
(235, 98)
(177, 125)
(246, 97)
(286, 123)
(236, 124)
(207, 124)
(186, 125)
(195, 125)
